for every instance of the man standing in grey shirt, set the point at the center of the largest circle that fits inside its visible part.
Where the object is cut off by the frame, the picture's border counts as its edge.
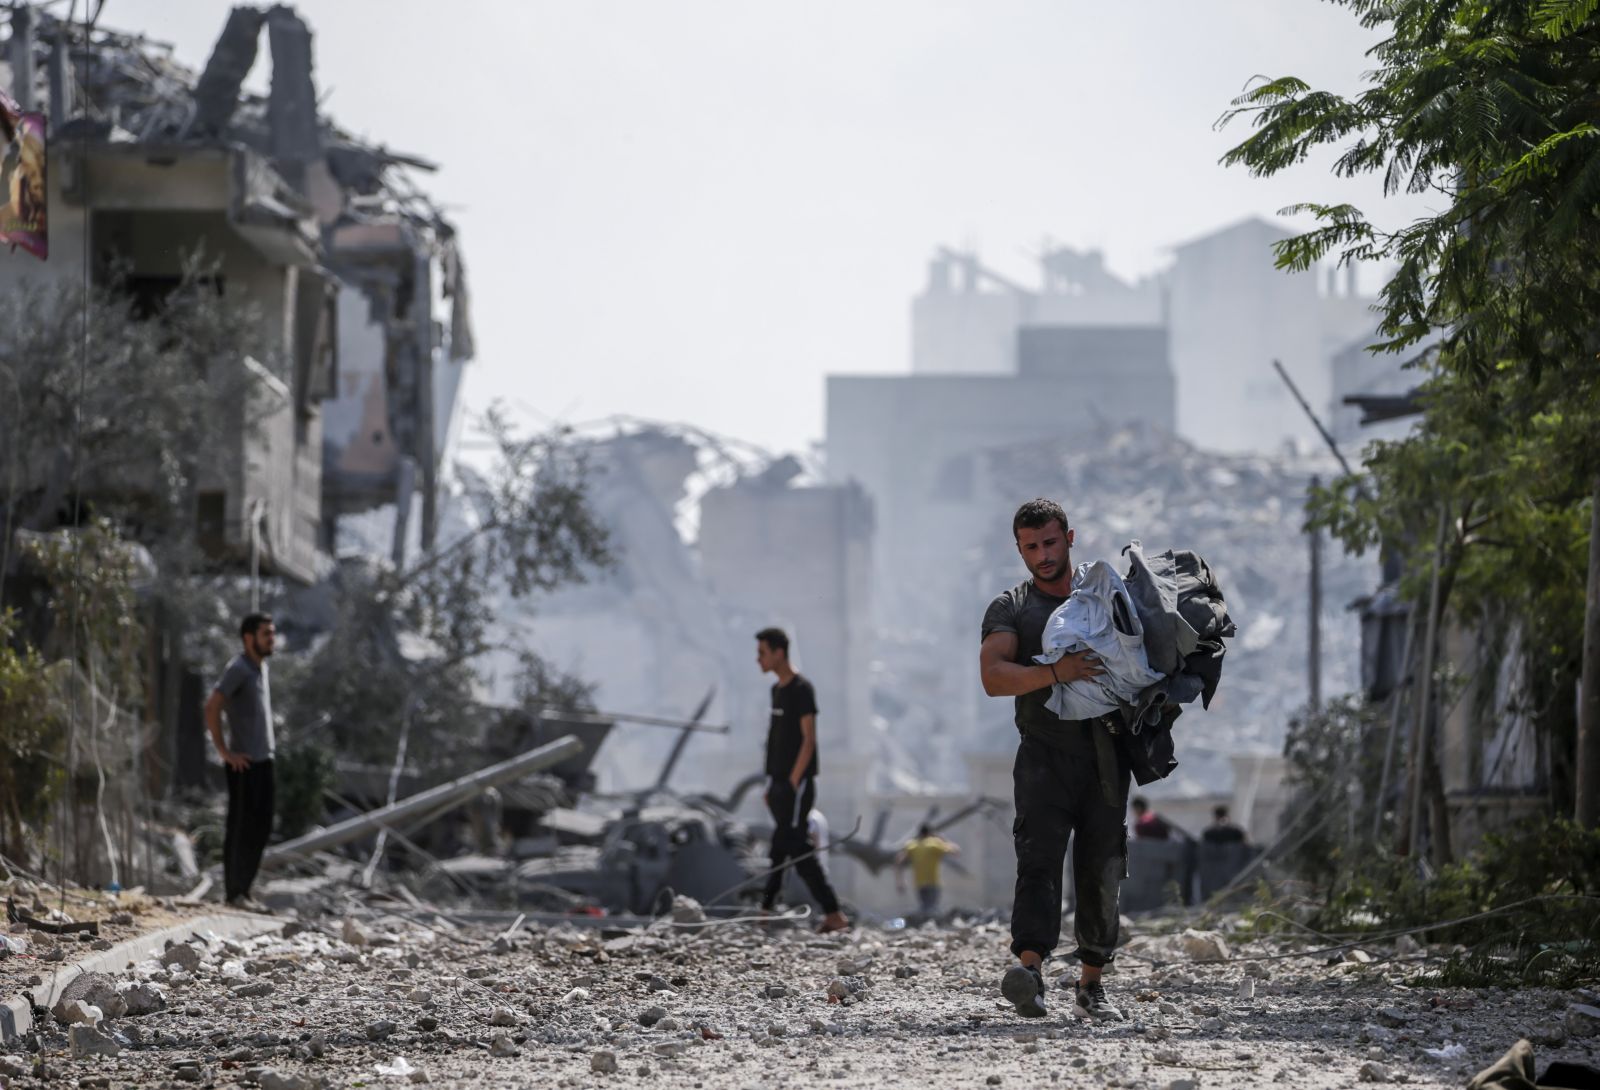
(244, 693)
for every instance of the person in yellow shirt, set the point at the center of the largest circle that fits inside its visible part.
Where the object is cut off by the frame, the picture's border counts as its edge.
(925, 854)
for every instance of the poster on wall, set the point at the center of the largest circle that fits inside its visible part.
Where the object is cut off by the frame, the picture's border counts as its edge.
(22, 190)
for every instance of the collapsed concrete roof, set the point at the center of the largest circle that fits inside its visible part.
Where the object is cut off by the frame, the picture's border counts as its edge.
(110, 87)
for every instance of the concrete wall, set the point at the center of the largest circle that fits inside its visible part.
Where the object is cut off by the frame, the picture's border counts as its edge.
(152, 212)
(1231, 314)
(799, 558)
(960, 326)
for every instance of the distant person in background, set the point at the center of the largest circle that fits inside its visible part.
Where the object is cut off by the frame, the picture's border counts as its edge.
(1221, 830)
(1147, 824)
(926, 855)
(791, 770)
(244, 693)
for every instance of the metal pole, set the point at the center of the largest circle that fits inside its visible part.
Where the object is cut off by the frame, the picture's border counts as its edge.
(1316, 422)
(1314, 642)
(1419, 738)
(432, 802)
(1587, 812)
(1397, 699)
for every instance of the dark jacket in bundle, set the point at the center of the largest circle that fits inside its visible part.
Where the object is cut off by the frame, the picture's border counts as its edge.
(1185, 620)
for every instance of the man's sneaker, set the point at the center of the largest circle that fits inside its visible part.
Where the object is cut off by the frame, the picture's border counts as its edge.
(1023, 987)
(249, 904)
(1092, 1002)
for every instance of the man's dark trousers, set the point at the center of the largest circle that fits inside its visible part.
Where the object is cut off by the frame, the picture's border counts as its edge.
(1059, 793)
(789, 809)
(250, 812)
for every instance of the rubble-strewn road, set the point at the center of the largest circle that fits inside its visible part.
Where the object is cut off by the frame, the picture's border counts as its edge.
(389, 1001)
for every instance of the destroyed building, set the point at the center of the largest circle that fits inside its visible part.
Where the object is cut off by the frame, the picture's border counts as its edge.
(353, 383)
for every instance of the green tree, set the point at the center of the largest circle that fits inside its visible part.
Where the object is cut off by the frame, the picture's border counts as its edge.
(1489, 105)
(396, 675)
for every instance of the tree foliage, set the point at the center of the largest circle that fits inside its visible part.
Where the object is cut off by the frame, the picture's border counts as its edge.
(1489, 106)
(398, 668)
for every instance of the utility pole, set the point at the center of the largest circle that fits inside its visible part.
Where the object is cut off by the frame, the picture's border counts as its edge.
(1411, 828)
(1588, 756)
(1314, 643)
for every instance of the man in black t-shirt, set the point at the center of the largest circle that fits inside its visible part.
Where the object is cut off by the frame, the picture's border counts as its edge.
(792, 777)
(1067, 778)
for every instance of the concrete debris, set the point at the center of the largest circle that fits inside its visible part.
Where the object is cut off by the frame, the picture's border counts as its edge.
(940, 1027)
(1406, 946)
(354, 934)
(687, 910)
(1373, 1071)
(182, 956)
(271, 1079)
(1393, 1017)
(1204, 945)
(98, 990)
(1583, 1020)
(88, 1040)
(77, 1012)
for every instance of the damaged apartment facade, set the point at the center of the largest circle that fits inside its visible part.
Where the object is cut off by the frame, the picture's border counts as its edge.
(353, 382)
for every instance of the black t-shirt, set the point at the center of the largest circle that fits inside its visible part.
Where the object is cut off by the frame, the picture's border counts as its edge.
(1024, 610)
(789, 703)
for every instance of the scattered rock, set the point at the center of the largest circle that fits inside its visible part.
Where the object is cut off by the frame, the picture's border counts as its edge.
(576, 995)
(657, 984)
(255, 989)
(75, 1012)
(181, 955)
(651, 1015)
(503, 1016)
(1393, 1017)
(1204, 945)
(90, 1041)
(1583, 1020)
(1373, 1071)
(382, 1028)
(420, 996)
(98, 990)
(1247, 989)
(1406, 946)
(686, 910)
(855, 966)
(775, 991)
(603, 1062)
(503, 1046)
(354, 934)
(272, 1079)
(1187, 1083)
(141, 999)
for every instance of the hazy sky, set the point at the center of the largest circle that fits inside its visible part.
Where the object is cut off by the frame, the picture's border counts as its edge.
(695, 209)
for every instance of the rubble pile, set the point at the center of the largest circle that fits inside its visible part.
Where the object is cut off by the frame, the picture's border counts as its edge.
(385, 1000)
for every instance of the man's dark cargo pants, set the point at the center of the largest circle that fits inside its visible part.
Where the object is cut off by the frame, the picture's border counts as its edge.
(790, 810)
(250, 813)
(1059, 793)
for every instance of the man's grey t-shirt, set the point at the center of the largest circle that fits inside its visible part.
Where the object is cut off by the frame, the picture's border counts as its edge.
(1023, 611)
(248, 695)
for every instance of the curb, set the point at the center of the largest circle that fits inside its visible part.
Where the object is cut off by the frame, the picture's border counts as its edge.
(16, 1012)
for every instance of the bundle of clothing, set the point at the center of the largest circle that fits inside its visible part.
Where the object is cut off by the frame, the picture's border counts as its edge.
(1157, 632)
